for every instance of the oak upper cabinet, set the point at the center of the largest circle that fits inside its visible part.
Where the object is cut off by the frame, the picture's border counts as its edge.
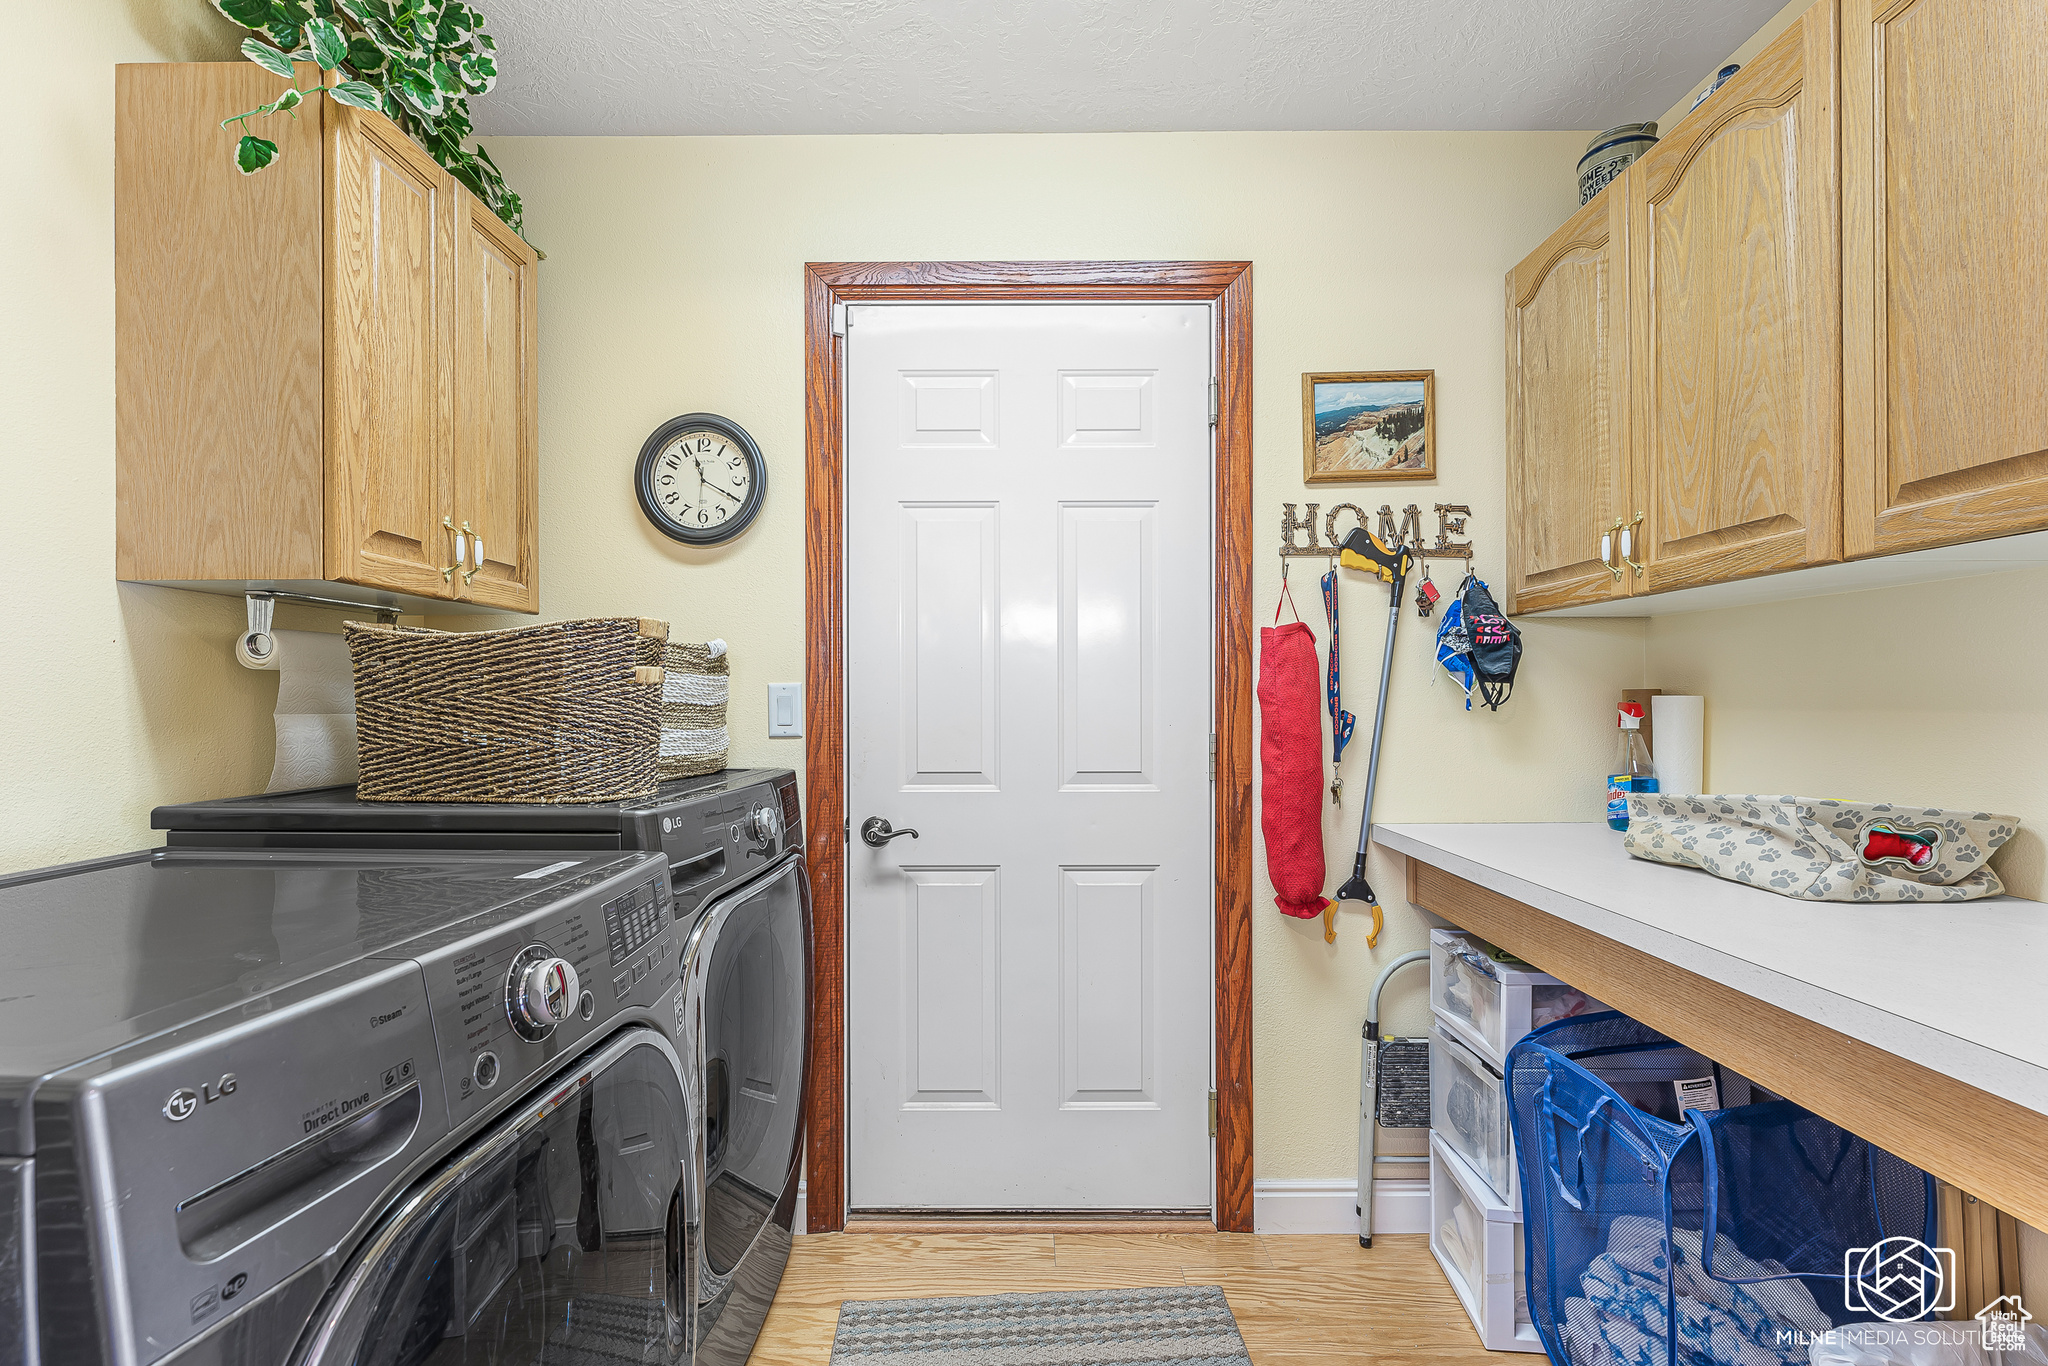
(1735, 335)
(390, 357)
(1567, 412)
(1945, 271)
(324, 370)
(497, 435)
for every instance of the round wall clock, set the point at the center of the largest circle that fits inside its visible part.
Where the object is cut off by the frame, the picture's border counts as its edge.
(700, 478)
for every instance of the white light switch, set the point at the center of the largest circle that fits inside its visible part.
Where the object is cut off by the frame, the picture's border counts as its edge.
(785, 709)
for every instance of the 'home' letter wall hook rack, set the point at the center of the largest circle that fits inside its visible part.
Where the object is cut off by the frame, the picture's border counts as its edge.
(1450, 522)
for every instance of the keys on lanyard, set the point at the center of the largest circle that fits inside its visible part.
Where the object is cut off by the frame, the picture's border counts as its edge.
(1341, 721)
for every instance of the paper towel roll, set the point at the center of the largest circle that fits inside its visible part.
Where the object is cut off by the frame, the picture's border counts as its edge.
(316, 705)
(1679, 725)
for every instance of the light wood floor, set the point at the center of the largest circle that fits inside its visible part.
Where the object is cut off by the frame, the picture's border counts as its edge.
(1299, 1300)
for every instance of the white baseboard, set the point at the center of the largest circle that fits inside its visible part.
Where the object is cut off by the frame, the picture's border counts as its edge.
(1399, 1205)
(1311, 1206)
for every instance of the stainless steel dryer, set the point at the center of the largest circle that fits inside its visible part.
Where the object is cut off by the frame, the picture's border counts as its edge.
(743, 1026)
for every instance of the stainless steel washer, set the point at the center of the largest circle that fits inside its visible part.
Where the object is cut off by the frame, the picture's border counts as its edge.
(258, 1106)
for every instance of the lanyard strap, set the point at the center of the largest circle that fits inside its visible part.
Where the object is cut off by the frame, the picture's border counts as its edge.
(1341, 721)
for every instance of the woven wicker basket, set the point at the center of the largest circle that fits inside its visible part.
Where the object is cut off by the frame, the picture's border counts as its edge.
(565, 712)
(694, 687)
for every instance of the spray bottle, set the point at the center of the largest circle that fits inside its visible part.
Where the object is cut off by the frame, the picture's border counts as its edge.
(1635, 772)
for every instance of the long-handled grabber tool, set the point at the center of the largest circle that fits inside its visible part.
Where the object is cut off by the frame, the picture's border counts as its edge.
(1363, 550)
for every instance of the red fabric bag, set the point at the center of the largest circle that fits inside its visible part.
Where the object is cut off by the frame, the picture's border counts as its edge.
(1291, 767)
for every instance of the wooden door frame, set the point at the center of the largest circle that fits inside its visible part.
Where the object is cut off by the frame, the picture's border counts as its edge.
(829, 286)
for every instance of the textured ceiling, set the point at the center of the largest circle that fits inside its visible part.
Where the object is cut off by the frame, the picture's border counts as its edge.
(1044, 66)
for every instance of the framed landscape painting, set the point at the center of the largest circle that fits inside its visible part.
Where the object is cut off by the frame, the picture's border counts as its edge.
(1362, 427)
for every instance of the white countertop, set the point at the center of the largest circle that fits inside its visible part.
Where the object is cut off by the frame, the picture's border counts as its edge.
(1952, 986)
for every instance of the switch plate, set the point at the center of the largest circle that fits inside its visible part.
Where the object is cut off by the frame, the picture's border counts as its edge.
(785, 709)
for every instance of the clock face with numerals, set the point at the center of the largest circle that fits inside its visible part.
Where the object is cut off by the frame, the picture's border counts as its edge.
(701, 479)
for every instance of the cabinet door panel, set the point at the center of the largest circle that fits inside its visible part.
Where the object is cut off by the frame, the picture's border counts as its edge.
(1945, 131)
(1566, 411)
(496, 409)
(1737, 328)
(390, 233)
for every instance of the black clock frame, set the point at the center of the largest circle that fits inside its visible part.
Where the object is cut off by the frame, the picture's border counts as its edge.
(643, 478)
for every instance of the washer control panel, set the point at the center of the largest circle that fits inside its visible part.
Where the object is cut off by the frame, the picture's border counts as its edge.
(641, 936)
(513, 991)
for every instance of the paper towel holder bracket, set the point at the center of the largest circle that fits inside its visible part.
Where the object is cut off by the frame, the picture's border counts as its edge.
(259, 642)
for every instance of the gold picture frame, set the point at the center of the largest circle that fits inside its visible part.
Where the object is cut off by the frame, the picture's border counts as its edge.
(1359, 426)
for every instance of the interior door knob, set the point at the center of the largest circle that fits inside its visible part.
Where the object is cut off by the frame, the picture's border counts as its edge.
(875, 831)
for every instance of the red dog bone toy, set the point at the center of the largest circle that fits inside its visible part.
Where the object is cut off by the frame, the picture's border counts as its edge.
(1881, 844)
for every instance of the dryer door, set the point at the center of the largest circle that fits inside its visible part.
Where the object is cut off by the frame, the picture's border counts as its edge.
(745, 1021)
(554, 1236)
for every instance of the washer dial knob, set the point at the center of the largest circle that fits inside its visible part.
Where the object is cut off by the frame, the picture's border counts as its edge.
(765, 823)
(541, 991)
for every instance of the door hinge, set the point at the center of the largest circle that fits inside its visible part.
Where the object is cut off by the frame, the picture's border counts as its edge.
(1212, 1114)
(846, 830)
(838, 319)
(1213, 398)
(1212, 756)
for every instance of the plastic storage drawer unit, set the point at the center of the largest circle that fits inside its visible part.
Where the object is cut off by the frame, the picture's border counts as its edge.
(1468, 1109)
(1477, 1240)
(1490, 1005)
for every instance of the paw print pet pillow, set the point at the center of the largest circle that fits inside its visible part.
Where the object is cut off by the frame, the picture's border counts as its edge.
(1821, 849)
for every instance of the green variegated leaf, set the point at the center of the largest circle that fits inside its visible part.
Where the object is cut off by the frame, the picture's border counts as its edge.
(267, 57)
(415, 60)
(247, 13)
(419, 92)
(355, 94)
(394, 41)
(252, 154)
(329, 43)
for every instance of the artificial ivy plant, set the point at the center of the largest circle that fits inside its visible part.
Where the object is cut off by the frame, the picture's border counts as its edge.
(416, 61)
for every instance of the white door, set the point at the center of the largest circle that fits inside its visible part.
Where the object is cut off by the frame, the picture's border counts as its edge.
(1028, 594)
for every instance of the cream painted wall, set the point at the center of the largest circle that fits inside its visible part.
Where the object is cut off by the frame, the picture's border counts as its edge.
(673, 283)
(112, 698)
(1948, 715)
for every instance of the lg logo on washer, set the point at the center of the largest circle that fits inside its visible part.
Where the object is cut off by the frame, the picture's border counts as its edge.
(185, 1101)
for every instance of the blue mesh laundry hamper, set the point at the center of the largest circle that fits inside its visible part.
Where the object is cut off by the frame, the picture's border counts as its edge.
(1714, 1242)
